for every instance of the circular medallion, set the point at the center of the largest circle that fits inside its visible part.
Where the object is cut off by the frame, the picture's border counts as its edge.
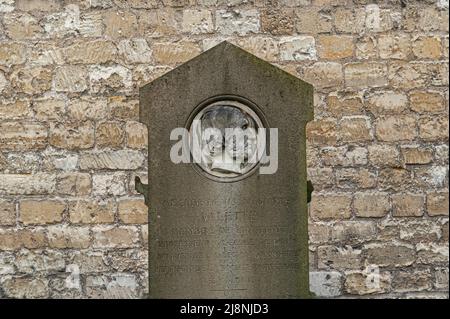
(226, 142)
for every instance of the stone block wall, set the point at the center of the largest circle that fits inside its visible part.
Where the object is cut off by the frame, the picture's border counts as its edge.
(71, 224)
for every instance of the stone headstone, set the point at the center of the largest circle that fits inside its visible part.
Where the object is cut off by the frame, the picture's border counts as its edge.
(220, 227)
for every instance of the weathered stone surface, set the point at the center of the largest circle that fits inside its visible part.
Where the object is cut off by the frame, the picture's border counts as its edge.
(144, 235)
(364, 283)
(409, 75)
(383, 255)
(3, 82)
(109, 78)
(349, 20)
(128, 260)
(26, 184)
(12, 53)
(394, 47)
(437, 203)
(33, 212)
(197, 21)
(22, 163)
(70, 79)
(135, 51)
(331, 206)
(354, 129)
(32, 238)
(31, 80)
(119, 24)
(115, 286)
(430, 253)
(396, 128)
(25, 238)
(319, 233)
(123, 108)
(109, 184)
(133, 211)
(87, 52)
(263, 47)
(416, 155)
(6, 5)
(441, 278)
(239, 22)
(387, 102)
(366, 74)
(109, 134)
(321, 178)
(87, 109)
(366, 48)
(22, 26)
(59, 160)
(374, 204)
(313, 20)
(407, 205)
(25, 287)
(426, 101)
(345, 103)
(277, 21)
(115, 237)
(160, 22)
(431, 176)
(7, 213)
(355, 178)
(136, 135)
(121, 159)
(435, 128)
(90, 262)
(325, 284)
(324, 74)
(343, 156)
(427, 47)
(38, 5)
(321, 132)
(297, 48)
(18, 109)
(63, 236)
(174, 53)
(380, 20)
(91, 211)
(353, 232)
(334, 47)
(74, 184)
(49, 109)
(384, 155)
(46, 53)
(338, 257)
(30, 262)
(6, 263)
(417, 230)
(72, 135)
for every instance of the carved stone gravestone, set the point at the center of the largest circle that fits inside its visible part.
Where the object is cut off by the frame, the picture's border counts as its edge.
(227, 216)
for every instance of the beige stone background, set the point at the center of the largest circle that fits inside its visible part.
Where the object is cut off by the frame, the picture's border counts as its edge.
(70, 143)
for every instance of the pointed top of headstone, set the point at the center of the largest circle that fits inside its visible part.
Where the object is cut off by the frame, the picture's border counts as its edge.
(229, 69)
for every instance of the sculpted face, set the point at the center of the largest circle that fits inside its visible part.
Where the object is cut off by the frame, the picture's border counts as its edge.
(228, 139)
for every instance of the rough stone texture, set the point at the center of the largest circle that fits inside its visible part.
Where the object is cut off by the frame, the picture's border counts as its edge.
(7, 213)
(371, 204)
(70, 142)
(133, 211)
(330, 206)
(326, 284)
(41, 212)
(91, 211)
